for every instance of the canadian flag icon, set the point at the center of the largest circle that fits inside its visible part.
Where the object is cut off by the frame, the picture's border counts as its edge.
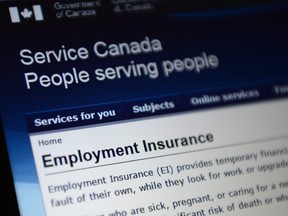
(26, 13)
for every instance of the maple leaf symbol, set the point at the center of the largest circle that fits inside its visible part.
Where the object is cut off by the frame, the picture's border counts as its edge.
(26, 13)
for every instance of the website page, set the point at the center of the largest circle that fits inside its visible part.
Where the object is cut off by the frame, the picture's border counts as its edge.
(121, 108)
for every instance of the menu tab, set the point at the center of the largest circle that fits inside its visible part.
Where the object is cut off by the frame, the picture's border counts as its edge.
(74, 117)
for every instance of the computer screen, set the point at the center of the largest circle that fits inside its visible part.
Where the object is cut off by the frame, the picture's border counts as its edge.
(145, 107)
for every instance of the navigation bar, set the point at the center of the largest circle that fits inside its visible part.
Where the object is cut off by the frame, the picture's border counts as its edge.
(147, 107)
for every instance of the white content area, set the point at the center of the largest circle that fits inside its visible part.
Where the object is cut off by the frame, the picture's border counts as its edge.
(224, 161)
